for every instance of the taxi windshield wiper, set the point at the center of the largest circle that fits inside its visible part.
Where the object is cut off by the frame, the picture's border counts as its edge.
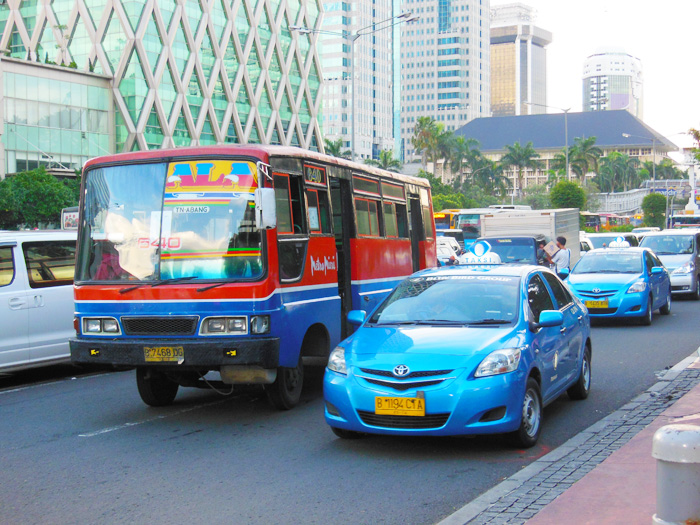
(442, 322)
(158, 283)
(489, 321)
(385, 323)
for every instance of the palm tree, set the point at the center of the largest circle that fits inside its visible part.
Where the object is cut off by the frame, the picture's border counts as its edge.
(464, 152)
(520, 158)
(584, 154)
(618, 172)
(423, 135)
(334, 148)
(386, 161)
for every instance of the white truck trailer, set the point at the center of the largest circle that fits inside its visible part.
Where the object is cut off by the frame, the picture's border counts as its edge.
(550, 223)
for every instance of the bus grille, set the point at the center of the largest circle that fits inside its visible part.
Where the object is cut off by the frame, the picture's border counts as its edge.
(159, 325)
(427, 421)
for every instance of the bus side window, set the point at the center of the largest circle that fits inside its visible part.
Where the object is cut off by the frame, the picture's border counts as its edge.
(289, 204)
(319, 221)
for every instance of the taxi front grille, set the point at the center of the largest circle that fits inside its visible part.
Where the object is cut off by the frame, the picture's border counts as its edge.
(403, 386)
(417, 422)
(389, 373)
(602, 311)
(159, 325)
(595, 295)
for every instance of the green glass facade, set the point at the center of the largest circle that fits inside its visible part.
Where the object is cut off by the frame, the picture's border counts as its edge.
(183, 72)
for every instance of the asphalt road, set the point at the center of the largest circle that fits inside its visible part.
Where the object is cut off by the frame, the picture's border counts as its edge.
(85, 449)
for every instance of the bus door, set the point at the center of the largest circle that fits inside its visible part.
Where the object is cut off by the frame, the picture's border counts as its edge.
(415, 220)
(341, 201)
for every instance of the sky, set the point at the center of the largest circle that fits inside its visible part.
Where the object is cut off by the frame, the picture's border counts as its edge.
(663, 35)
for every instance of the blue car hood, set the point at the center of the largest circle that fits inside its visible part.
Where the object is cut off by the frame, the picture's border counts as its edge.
(615, 280)
(371, 341)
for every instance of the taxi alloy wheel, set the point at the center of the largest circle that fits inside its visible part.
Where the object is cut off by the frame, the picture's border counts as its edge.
(531, 420)
(646, 320)
(582, 387)
(666, 308)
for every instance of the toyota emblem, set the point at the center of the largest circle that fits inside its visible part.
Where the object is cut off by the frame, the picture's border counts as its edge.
(596, 290)
(401, 371)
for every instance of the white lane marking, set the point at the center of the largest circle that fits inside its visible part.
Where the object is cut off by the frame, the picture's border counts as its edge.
(136, 423)
(51, 382)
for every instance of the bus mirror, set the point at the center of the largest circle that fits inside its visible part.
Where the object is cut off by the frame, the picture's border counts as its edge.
(265, 214)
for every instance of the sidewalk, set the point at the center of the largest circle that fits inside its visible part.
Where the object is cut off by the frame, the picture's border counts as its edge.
(605, 474)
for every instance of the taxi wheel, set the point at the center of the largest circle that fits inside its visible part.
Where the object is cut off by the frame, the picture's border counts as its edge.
(285, 392)
(696, 294)
(582, 387)
(531, 421)
(666, 308)
(646, 320)
(155, 388)
(346, 434)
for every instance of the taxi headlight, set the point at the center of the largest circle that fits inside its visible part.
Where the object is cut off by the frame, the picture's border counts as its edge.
(336, 361)
(688, 267)
(637, 287)
(499, 362)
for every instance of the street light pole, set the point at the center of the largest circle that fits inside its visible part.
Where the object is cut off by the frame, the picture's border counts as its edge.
(406, 16)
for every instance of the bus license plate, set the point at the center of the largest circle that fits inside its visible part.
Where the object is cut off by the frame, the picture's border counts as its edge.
(399, 406)
(597, 304)
(159, 354)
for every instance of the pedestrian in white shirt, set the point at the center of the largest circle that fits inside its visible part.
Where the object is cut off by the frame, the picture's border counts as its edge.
(562, 258)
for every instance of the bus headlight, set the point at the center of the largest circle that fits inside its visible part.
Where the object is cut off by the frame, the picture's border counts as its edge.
(224, 326)
(260, 324)
(100, 326)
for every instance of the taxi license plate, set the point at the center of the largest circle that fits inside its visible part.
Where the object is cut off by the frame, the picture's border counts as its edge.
(399, 406)
(597, 304)
(159, 354)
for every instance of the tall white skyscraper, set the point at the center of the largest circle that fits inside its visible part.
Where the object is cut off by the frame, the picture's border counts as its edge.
(518, 61)
(444, 65)
(612, 79)
(373, 57)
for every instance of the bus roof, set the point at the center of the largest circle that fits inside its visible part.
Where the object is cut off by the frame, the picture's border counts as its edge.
(260, 151)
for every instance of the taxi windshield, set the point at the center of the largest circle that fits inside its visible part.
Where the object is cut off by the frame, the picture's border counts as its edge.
(670, 244)
(180, 220)
(609, 262)
(454, 299)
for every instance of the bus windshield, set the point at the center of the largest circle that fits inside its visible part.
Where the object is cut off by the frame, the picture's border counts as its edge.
(470, 224)
(179, 220)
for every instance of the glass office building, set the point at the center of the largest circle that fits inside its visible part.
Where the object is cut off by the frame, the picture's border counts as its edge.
(176, 72)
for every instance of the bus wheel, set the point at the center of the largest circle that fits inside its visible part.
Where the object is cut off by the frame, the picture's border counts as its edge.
(155, 388)
(285, 392)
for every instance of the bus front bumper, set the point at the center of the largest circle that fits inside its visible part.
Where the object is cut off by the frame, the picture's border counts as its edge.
(207, 354)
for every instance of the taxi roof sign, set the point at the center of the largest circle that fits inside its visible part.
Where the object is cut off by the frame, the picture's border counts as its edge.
(619, 242)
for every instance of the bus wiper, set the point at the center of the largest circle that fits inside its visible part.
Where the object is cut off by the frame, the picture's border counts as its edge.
(158, 283)
(489, 321)
(205, 288)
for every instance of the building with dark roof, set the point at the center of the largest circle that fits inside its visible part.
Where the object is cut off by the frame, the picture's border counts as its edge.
(614, 131)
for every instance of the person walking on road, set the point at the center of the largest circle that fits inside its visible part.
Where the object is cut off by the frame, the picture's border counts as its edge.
(561, 259)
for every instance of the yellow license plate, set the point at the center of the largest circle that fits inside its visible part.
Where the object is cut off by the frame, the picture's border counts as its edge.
(159, 354)
(399, 406)
(597, 304)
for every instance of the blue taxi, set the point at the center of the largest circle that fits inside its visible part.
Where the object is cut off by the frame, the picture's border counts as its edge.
(622, 282)
(465, 349)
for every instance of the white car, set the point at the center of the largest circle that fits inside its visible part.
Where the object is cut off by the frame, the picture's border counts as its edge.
(36, 297)
(447, 247)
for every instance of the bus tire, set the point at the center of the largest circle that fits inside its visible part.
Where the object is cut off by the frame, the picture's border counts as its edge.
(285, 392)
(155, 388)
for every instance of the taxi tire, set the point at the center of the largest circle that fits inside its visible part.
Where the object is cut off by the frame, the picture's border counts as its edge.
(285, 392)
(524, 437)
(646, 320)
(155, 388)
(580, 390)
(666, 308)
(695, 296)
(346, 434)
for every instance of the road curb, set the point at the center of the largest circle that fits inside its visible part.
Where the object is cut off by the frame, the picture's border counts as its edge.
(483, 502)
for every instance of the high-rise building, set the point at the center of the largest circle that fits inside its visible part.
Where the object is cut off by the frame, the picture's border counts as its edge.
(82, 78)
(444, 65)
(612, 79)
(372, 55)
(518, 61)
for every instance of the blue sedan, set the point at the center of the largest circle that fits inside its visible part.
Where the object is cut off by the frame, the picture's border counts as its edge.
(461, 350)
(622, 283)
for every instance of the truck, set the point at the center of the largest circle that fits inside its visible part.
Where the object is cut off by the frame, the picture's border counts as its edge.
(553, 223)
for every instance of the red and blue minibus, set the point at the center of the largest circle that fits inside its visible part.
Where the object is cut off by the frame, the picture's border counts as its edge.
(223, 265)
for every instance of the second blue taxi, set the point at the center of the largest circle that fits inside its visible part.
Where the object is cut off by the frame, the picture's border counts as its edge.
(622, 282)
(466, 349)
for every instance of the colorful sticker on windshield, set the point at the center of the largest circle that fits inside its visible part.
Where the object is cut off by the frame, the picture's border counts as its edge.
(208, 182)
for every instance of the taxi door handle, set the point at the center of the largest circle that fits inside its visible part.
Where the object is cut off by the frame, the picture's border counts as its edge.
(562, 330)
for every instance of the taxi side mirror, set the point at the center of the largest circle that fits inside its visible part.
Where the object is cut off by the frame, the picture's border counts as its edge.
(550, 318)
(356, 317)
(657, 270)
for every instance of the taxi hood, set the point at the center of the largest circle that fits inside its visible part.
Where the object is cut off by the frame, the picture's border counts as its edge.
(605, 279)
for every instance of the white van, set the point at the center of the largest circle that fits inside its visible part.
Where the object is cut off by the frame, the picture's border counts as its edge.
(36, 297)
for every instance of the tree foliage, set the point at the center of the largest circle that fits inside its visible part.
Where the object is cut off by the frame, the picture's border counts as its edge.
(567, 194)
(335, 149)
(521, 158)
(654, 208)
(33, 197)
(386, 161)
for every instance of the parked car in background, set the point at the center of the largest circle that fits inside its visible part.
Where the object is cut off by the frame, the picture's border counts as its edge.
(36, 297)
(603, 240)
(679, 250)
(469, 349)
(622, 282)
